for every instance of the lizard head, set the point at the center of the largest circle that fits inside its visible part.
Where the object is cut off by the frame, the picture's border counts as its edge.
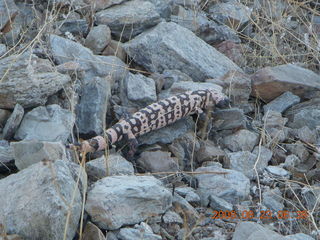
(219, 99)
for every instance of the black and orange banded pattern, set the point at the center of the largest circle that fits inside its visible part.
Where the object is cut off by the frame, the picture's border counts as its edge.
(155, 116)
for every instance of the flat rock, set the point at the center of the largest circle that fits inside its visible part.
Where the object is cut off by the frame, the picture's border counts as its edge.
(28, 80)
(219, 204)
(231, 118)
(117, 201)
(44, 198)
(158, 161)
(233, 186)
(137, 233)
(27, 153)
(273, 200)
(278, 171)
(139, 90)
(92, 107)
(116, 165)
(299, 236)
(50, 123)
(254, 231)
(242, 140)
(271, 82)
(13, 122)
(188, 193)
(282, 103)
(184, 52)
(304, 114)
(98, 38)
(126, 21)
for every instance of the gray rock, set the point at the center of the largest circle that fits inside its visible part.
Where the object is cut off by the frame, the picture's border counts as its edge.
(272, 10)
(172, 217)
(137, 233)
(271, 82)
(115, 48)
(28, 80)
(198, 22)
(188, 193)
(98, 38)
(282, 103)
(231, 13)
(3, 49)
(245, 162)
(111, 67)
(73, 26)
(27, 153)
(124, 200)
(158, 161)
(100, 5)
(183, 51)
(219, 204)
(191, 214)
(50, 123)
(274, 123)
(290, 162)
(310, 195)
(305, 134)
(304, 114)
(231, 186)
(254, 231)
(49, 193)
(297, 149)
(209, 152)
(242, 140)
(299, 236)
(13, 122)
(163, 7)
(278, 172)
(92, 108)
(227, 119)
(139, 90)
(169, 133)
(126, 20)
(116, 165)
(273, 200)
(6, 153)
(7, 9)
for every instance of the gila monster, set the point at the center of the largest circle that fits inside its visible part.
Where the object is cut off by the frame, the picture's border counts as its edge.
(155, 116)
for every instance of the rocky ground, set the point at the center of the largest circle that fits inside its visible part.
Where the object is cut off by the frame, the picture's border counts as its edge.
(70, 69)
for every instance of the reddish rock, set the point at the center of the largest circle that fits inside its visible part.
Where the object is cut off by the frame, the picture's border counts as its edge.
(270, 82)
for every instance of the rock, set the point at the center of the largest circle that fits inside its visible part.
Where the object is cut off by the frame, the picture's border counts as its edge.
(271, 82)
(50, 123)
(139, 90)
(92, 232)
(92, 108)
(8, 9)
(272, 10)
(3, 49)
(297, 149)
(98, 38)
(202, 26)
(115, 48)
(274, 123)
(169, 133)
(245, 162)
(117, 165)
(233, 13)
(163, 7)
(172, 76)
(125, 200)
(227, 119)
(278, 172)
(74, 26)
(290, 162)
(242, 140)
(264, 153)
(304, 133)
(273, 200)
(103, 4)
(45, 198)
(304, 114)
(27, 153)
(28, 80)
(236, 52)
(181, 205)
(142, 231)
(282, 103)
(158, 161)
(13, 122)
(172, 217)
(184, 52)
(188, 193)
(310, 196)
(254, 231)
(209, 152)
(64, 50)
(231, 186)
(299, 236)
(4, 115)
(219, 204)
(126, 20)
(6, 156)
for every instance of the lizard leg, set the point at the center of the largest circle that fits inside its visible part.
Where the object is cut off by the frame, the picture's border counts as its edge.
(133, 144)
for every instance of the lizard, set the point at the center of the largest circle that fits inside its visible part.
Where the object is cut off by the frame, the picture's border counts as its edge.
(154, 116)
